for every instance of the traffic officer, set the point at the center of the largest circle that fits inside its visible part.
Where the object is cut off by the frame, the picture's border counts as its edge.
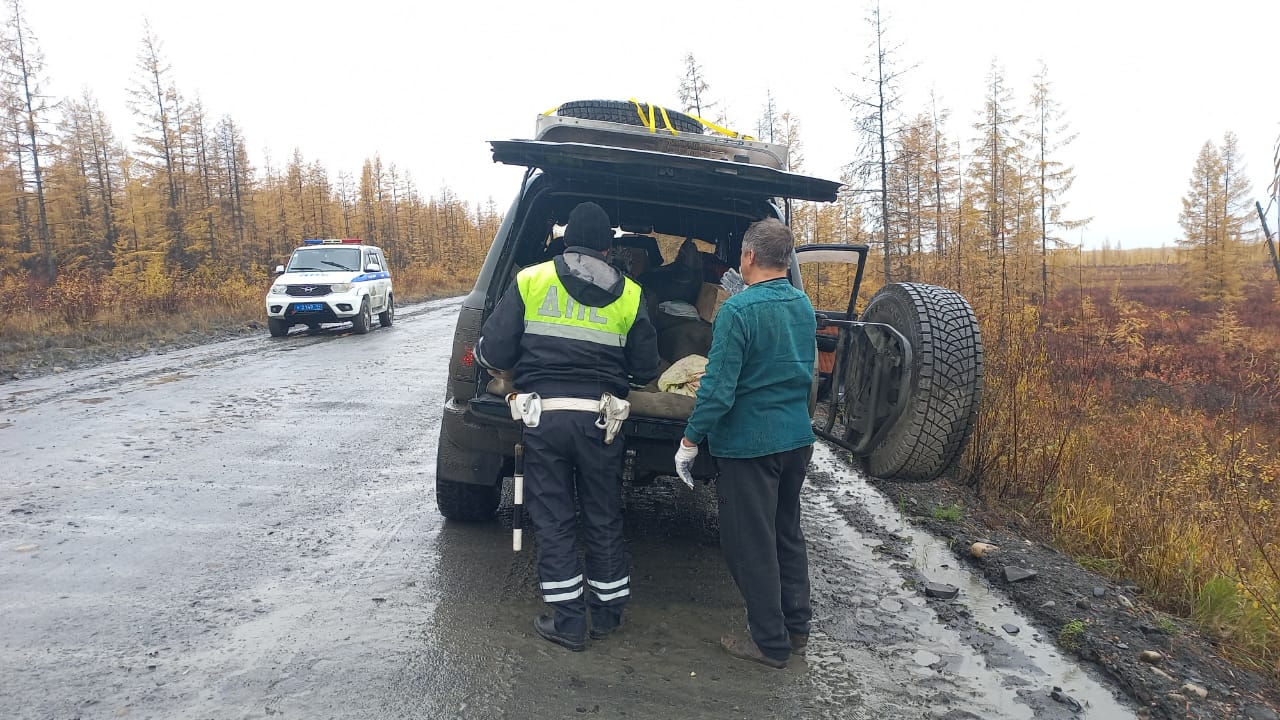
(574, 329)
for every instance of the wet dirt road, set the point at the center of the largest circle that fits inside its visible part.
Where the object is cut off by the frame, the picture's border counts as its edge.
(247, 529)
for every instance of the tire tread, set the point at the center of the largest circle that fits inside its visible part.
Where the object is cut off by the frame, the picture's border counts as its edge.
(617, 111)
(929, 436)
(465, 502)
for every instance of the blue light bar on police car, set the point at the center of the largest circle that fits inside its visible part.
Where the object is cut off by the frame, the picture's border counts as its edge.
(333, 241)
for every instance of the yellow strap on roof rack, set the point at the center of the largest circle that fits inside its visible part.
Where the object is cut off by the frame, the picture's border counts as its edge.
(649, 121)
(722, 130)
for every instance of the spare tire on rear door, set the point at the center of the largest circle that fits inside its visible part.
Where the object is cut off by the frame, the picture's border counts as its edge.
(627, 113)
(944, 381)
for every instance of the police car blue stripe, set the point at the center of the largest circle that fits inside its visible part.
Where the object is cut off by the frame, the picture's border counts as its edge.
(370, 276)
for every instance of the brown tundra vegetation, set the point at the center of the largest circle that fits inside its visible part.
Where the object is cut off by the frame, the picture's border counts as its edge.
(1139, 426)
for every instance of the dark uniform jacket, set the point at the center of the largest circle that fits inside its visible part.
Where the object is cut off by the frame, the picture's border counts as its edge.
(580, 333)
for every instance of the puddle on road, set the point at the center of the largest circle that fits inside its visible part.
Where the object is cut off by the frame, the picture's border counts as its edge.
(913, 639)
(1031, 663)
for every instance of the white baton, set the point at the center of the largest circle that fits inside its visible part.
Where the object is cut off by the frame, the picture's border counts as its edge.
(517, 504)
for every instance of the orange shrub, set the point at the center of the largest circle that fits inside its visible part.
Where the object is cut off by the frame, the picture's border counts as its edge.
(1143, 428)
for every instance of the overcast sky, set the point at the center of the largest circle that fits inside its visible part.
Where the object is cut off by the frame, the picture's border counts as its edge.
(1144, 84)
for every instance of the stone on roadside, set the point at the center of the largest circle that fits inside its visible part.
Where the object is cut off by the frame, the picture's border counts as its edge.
(982, 549)
(1016, 574)
(1083, 604)
(1099, 592)
(1194, 689)
(1010, 628)
(1258, 712)
(1150, 656)
(1162, 674)
(941, 590)
(1124, 602)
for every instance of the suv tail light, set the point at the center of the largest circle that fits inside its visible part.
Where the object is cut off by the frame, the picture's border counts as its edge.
(462, 364)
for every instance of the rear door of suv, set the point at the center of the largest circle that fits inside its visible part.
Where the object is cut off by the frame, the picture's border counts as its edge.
(603, 163)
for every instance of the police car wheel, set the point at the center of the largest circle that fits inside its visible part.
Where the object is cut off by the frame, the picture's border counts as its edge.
(386, 317)
(277, 328)
(362, 322)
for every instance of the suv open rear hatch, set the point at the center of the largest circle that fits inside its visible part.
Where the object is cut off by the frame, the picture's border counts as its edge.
(604, 164)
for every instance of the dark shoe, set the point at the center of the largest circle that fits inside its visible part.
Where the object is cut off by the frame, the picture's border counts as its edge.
(746, 649)
(545, 625)
(799, 643)
(600, 633)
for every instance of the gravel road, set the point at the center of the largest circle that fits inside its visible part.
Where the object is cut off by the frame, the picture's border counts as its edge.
(247, 529)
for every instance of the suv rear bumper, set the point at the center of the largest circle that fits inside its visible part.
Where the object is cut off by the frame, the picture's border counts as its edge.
(483, 427)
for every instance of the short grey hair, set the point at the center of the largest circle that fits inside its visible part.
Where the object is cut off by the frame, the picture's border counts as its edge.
(771, 242)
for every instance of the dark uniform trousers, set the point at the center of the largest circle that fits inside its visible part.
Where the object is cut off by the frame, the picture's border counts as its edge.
(763, 545)
(567, 451)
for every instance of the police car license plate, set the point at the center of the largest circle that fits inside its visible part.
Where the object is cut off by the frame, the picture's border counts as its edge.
(308, 307)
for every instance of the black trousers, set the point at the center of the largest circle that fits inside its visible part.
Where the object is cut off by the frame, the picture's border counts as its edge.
(564, 454)
(763, 545)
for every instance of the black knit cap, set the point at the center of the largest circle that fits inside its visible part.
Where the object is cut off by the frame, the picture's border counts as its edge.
(589, 227)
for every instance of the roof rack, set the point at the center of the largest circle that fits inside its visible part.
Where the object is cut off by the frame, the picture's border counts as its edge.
(554, 128)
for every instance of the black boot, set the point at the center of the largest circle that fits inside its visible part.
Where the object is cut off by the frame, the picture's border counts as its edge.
(604, 628)
(545, 625)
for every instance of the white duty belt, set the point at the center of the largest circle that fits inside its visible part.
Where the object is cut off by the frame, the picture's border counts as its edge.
(610, 411)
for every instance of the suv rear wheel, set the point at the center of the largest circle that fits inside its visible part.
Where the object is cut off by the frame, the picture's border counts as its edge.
(465, 501)
(362, 322)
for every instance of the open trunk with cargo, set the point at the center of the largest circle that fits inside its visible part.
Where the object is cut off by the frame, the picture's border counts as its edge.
(681, 202)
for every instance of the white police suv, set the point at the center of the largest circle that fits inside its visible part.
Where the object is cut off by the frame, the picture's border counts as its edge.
(331, 281)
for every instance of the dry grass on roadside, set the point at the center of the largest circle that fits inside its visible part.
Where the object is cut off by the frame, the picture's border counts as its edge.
(1146, 437)
(82, 314)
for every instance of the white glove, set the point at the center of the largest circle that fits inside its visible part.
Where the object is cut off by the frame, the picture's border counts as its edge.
(684, 463)
(732, 281)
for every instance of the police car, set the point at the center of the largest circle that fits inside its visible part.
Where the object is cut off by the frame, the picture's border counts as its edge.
(331, 281)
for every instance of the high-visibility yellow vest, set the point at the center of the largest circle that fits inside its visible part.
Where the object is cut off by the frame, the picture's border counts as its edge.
(549, 309)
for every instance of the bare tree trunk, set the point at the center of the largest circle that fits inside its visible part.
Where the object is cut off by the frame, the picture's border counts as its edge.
(29, 111)
(884, 165)
(1271, 245)
(1044, 228)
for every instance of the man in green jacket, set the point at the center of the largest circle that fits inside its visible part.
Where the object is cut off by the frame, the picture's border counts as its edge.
(753, 410)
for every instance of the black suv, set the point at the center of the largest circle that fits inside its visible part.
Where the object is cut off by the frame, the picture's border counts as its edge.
(899, 386)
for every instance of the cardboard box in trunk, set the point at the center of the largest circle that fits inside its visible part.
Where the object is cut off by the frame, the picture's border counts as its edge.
(710, 297)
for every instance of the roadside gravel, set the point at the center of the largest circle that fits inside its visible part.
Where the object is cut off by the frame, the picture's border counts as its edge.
(1097, 619)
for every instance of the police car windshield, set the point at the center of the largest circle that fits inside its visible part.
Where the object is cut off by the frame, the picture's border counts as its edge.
(324, 258)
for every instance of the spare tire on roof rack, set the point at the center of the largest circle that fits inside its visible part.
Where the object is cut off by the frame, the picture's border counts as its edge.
(629, 113)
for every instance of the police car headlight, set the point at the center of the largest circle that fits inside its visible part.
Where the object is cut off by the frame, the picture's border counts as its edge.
(279, 289)
(340, 287)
